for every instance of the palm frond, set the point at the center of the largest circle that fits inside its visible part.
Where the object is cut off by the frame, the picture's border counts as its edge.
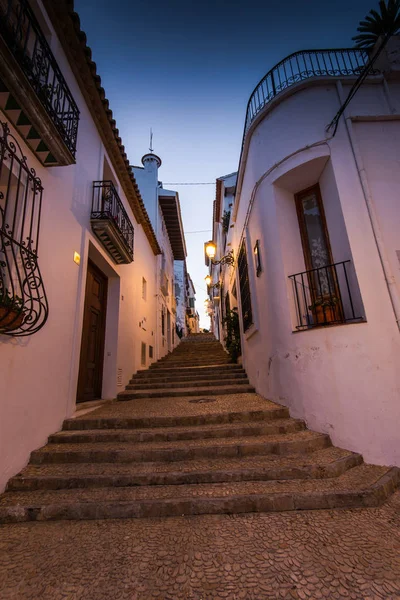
(384, 23)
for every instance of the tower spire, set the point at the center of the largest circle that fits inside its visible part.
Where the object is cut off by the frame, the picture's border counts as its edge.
(151, 140)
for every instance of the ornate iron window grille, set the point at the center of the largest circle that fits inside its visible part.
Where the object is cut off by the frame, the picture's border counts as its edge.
(323, 296)
(23, 302)
(301, 66)
(107, 205)
(23, 35)
(245, 297)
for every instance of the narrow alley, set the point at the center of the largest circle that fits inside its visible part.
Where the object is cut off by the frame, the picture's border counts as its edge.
(190, 437)
(199, 300)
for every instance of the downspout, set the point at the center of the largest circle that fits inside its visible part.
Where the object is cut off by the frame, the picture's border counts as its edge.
(389, 278)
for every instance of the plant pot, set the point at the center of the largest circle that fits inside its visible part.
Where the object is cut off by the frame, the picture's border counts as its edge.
(10, 319)
(325, 315)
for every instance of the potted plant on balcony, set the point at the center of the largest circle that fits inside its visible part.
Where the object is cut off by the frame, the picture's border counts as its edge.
(11, 311)
(326, 309)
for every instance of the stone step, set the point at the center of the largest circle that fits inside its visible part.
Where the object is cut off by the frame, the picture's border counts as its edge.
(189, 370)
(271, 412)
(123, 452)
(160, 378)
(326, 463)
(169, 392)
(362, 486)
(192, 383)
(171, 434)
(195, 362)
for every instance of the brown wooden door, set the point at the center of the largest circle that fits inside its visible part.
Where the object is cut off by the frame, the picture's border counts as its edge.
(92, 347)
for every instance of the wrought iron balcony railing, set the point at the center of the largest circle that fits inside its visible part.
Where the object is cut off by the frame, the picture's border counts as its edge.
(111, 223)
(301, 66)
(324, 296)
(24, 37)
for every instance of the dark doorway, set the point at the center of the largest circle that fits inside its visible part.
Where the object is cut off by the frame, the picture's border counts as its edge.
(93, 333)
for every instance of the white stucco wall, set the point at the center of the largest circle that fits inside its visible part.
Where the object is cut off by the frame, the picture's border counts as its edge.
(343, 380)
(181, 297)
(38, 374)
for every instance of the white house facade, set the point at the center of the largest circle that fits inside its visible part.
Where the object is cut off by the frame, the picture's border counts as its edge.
(192, 316)
(314, 231)
(164, 211)
(79, 256)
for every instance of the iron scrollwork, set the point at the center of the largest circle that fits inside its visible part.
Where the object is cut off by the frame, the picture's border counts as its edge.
(23, 302)
(301, 66)
(22, 32)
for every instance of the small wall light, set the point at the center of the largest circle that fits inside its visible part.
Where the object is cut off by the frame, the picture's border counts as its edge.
(207, 279)
(257, 258)
(77, 258)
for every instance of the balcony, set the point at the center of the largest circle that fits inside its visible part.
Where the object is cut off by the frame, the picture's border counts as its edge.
(326, 296)
(110, 222)
(33, 92)
(164, 282)
(299, 67)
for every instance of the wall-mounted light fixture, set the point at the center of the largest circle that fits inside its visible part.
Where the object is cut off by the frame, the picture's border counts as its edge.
(208, 281)
(257, 258)
(210, 249)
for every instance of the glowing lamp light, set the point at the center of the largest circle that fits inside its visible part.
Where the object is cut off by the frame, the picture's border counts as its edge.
(207, 279)
(211, 249)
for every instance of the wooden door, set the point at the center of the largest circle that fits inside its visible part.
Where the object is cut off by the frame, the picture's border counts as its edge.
(323, 292)
(93, 333)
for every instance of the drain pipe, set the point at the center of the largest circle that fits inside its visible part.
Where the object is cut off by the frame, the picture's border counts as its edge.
(389, 277)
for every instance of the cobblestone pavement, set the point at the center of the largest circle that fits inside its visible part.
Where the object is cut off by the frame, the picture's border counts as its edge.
(352, 554)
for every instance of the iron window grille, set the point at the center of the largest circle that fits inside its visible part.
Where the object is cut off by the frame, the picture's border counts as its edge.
(244, 284)
(23, 302)
(23, 35)
(107, 207)
(323, 296)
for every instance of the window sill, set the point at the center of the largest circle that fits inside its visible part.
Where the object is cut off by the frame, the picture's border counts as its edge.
(250, 332)
(327, 327)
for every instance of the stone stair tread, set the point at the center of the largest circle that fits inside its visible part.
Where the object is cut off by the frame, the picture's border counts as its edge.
(182, 406)
(319, 458)
(188, 391)
(199, 368)
(188, 376)
(357, 480)
(195, 383)
(276, 426)
(182, 444)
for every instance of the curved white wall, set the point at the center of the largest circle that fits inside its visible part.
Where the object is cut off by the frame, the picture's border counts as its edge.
(343, 380)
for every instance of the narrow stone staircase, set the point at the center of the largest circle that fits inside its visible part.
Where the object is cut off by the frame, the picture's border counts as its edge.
(191, 437)
(198, 366)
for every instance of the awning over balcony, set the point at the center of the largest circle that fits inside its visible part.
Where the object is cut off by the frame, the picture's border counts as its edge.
(169, 203)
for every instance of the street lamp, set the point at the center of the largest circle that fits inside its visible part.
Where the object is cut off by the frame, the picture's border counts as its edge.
(211, 250)
(208, 281)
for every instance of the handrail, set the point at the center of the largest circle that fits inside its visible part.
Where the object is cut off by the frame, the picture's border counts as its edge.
(300, 66)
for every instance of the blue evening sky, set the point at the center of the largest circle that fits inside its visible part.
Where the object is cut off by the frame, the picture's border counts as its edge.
(187, 69)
